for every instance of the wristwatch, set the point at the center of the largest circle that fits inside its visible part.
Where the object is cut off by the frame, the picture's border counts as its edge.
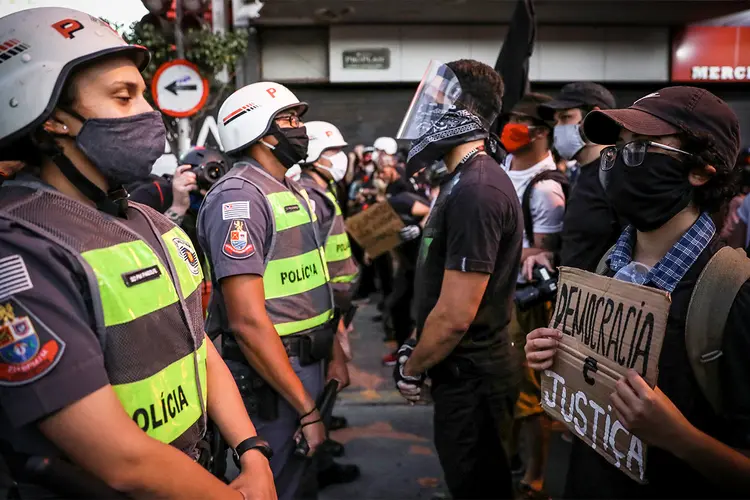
(253, 443)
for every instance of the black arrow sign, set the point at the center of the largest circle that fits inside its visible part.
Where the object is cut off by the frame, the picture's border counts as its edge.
(174, 87)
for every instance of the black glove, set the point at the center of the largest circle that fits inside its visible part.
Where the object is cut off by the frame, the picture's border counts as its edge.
(409, 386)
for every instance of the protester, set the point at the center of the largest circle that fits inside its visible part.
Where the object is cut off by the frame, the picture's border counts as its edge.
(673, 164)
(541, 191)
(591, 225)
(735, 228)
(469, 260)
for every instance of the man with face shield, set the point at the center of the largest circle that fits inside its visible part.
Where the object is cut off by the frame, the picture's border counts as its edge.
(272, 300)
(104, 364)
(466, 273)
(673, 163)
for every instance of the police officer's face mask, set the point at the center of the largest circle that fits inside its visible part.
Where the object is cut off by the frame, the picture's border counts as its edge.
(292, 144)
(123, 149)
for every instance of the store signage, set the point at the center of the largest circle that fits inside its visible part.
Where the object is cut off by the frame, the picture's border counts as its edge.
(367, 59)
(711, 54)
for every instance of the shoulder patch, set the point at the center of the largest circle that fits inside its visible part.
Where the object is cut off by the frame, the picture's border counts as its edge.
(235, 210)
(188, 254)
(28, 348)
(14, 277)
(237, 244)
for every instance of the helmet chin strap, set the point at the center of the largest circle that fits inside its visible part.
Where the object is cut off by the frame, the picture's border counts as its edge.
(114, 203)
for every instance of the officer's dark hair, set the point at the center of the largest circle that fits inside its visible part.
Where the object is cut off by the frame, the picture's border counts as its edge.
(481, 87)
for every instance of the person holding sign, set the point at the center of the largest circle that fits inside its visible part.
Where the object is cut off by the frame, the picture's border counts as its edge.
(673, 163)
(467, 268)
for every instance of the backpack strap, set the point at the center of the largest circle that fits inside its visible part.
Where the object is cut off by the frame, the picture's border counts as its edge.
(710, 303)
(602, 267)
(546, 175)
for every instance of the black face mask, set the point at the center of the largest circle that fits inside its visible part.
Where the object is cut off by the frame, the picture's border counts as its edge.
(292, 146)
(649, 195)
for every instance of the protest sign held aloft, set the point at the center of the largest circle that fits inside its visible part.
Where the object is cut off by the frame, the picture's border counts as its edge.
(608, 327)
(376, 229)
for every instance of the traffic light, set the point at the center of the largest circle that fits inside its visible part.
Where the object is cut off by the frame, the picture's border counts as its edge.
(196, 15)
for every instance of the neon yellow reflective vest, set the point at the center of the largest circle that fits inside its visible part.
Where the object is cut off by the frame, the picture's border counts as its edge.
(296, 280)
(148, 311)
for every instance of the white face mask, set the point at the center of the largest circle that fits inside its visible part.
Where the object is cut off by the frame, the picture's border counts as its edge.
(339, 165)
(568, 140)
(294, 173)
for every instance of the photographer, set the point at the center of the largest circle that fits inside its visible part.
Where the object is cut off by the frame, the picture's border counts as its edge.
(541, 190)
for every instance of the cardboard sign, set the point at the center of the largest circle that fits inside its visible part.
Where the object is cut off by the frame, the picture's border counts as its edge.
(376, 229)
(608, 327)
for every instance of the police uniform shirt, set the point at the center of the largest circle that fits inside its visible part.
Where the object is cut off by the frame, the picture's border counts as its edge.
(45, 285)
(235, 229)
(475, 226)
(322, 205)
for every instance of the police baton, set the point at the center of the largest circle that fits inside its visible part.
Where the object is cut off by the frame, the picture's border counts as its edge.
(64, 478)
(325, 404)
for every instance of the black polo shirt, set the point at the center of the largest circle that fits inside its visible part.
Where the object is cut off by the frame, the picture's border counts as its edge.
(475, 226)
(590, 476)
(590, 226)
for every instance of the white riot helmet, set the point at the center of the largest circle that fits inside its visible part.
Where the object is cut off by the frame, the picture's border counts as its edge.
(323, 136)
(39, 48)
(247, 114)
(387, 145)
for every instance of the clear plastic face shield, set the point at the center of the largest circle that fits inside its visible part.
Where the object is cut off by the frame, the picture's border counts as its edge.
(438, 92)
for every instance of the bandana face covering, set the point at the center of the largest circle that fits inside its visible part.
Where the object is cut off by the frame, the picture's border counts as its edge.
(455, 127)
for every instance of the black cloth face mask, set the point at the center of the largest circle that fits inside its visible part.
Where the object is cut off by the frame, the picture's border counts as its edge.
(124, 150)
(649, 195)
(292, 146)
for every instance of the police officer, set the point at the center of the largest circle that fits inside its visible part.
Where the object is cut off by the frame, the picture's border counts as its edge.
(272, 299)
(103, 360)
(325, 166)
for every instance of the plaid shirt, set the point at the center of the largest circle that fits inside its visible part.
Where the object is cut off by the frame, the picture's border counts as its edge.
(668, 272)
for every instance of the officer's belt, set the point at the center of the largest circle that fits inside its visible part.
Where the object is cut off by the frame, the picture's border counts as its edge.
(295, 345)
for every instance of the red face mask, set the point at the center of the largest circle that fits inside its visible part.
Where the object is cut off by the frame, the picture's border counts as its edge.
(515, 136)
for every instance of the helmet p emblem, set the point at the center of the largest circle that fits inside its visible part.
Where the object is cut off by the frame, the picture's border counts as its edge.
(272, 92)
(68, 27)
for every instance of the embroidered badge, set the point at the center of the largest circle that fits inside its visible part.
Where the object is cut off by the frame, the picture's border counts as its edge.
(188, 254)
(235, 210)
(28, 349)
(292, 208)
(237, 244)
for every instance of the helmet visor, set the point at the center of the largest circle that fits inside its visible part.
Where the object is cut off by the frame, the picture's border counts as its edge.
(438, 92)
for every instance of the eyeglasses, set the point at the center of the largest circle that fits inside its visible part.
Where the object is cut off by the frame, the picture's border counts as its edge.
(291, 120)
(633, 153)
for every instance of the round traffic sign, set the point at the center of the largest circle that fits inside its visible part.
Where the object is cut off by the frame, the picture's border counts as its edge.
(178, 88)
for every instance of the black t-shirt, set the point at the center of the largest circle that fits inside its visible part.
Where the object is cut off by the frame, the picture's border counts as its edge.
(403, 204)
(591, 476)
(591, 226)
(475, 226)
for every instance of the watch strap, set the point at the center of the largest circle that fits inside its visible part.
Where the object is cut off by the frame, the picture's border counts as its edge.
(252, 443)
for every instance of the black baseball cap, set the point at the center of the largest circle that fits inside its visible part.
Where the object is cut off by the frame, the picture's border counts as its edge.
(529, 104)
(576, 95)
(694, 112)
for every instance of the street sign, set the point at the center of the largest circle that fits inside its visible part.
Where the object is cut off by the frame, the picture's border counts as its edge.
(178, 89)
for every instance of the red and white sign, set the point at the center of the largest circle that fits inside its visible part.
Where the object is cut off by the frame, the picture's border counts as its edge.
(178, 89)
(711, 54)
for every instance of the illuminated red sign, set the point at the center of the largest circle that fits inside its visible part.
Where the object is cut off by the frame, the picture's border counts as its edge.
(711, 54)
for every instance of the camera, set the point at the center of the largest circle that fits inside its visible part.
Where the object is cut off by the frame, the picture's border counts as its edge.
(209, 165)
(542, 288)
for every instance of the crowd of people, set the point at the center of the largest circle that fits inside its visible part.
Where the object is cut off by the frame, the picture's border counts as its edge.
(153, 327)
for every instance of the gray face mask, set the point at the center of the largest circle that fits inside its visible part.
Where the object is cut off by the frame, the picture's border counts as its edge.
(123, 149)
(568, 140)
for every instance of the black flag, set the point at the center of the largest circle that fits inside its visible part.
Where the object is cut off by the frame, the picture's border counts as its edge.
(513, 61)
